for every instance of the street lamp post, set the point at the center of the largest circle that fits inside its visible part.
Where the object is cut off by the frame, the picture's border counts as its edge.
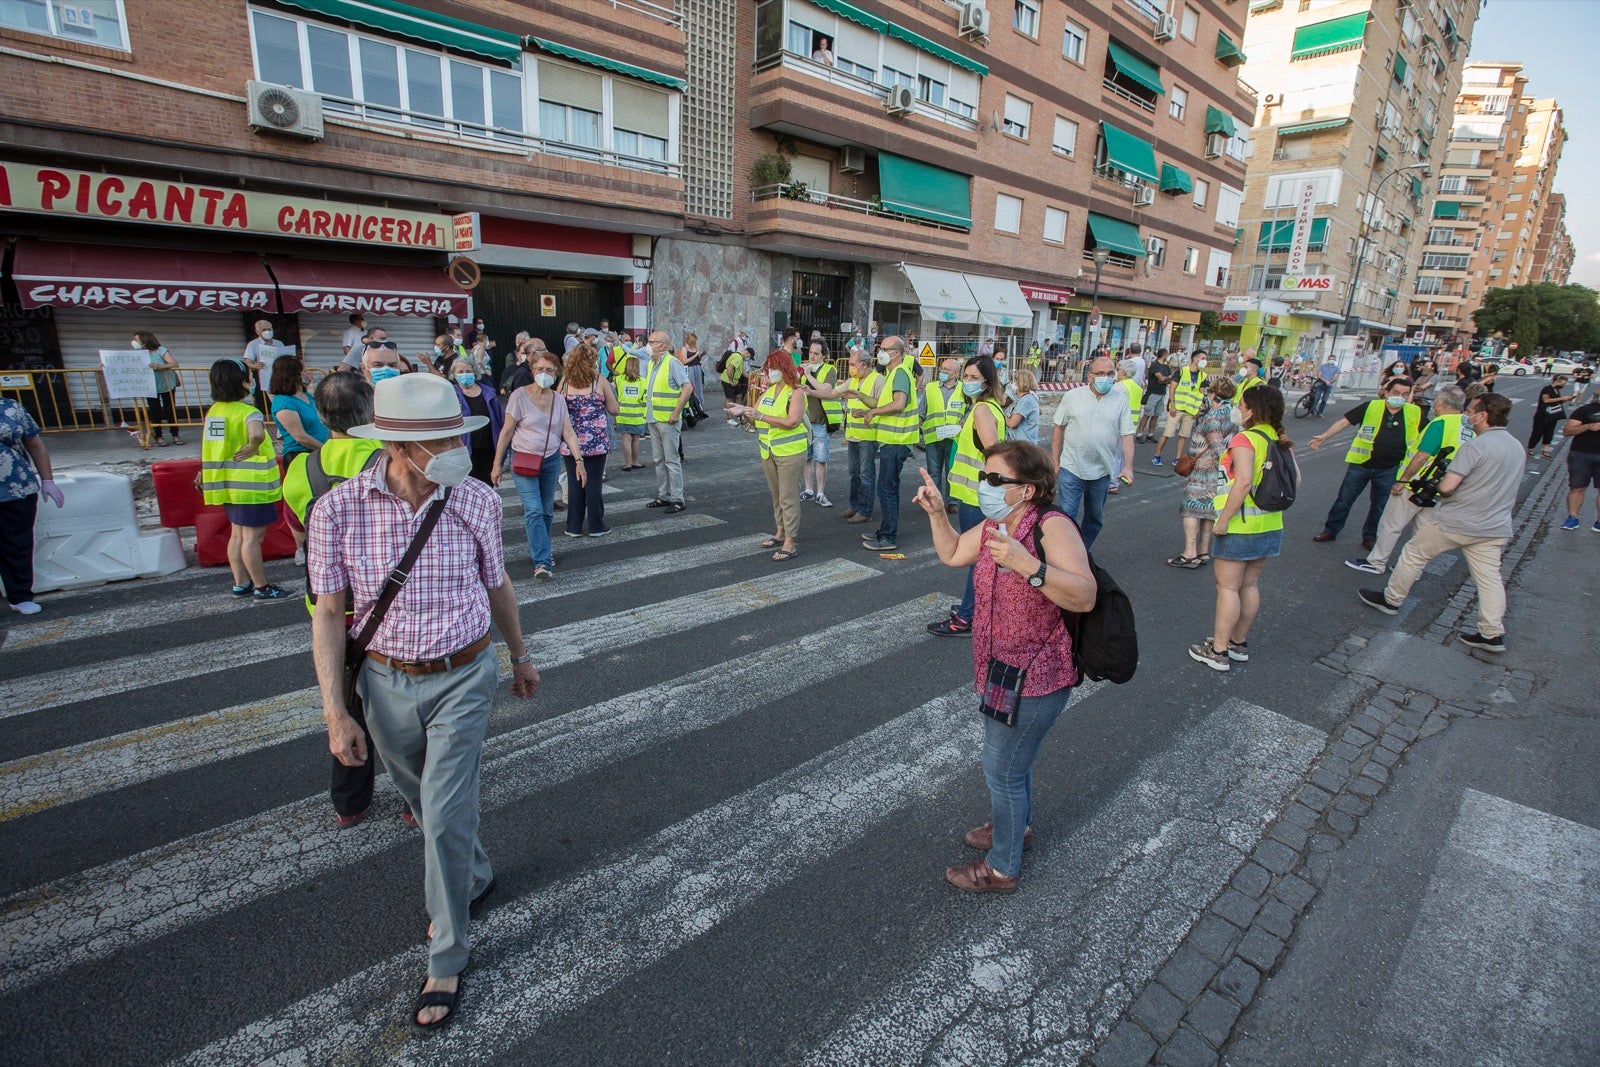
(1100, 257)
(1361, 249)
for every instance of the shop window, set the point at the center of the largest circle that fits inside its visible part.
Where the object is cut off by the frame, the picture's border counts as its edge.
(97, 22)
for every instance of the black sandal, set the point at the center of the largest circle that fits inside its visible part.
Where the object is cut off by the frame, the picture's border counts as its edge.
(436, 998)
(1188, 563)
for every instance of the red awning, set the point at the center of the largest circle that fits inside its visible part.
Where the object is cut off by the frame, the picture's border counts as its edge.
(63, 275)
(319, 285)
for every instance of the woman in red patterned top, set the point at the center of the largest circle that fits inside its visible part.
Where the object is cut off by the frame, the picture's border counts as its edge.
(1017, 624)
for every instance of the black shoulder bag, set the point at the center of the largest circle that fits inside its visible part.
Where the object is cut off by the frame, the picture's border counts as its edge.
(355, 648)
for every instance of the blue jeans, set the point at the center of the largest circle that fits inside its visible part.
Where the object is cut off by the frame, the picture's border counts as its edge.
(539, 508)
(1008, 755)
(1088, 494)
(938, 464)
(891, 461)
(1320, 391)
(1356, 478)
(863, 475)
(967, 516)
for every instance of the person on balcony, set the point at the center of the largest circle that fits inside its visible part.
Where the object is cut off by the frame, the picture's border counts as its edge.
(823, 52)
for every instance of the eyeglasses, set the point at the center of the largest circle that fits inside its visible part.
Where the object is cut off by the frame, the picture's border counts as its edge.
(997, 480)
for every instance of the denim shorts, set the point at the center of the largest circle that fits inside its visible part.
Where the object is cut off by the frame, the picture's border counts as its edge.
(1247, 546)
(818, 452)
(1583, 469)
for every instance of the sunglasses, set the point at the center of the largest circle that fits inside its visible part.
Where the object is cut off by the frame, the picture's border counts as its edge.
(997, 480)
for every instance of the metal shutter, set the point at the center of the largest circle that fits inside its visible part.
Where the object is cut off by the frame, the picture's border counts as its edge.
(639, 108)
(572, 86)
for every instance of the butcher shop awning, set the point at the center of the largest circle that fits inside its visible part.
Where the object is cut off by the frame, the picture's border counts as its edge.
(319, 285)
(62, 274)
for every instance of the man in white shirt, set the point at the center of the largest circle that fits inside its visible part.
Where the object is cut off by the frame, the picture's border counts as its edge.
(352, 337)
(1091, 425)
(1135, 354)
(258, 356)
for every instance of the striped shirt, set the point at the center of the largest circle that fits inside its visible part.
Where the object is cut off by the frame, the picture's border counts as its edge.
(358, 534)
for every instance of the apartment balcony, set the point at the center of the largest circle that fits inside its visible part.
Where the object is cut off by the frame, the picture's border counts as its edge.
(1444, 246)
(790, 218)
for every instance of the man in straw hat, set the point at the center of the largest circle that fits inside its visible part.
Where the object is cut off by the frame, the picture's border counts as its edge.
(429, 675)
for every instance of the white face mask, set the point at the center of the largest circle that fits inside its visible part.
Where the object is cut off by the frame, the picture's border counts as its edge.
(1236, 415)
(883, 359)
(266, 335)
(545, 380)
(449, 467)
(136, 344)
(774, 375)
(992, 501)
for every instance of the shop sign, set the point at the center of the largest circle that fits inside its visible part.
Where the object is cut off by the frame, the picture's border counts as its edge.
(312, 300)
(218, 296)
(80, 194)
(1300, 242)
(1304, 286)
(1230, 318)
(466, 232)
(1045, 293)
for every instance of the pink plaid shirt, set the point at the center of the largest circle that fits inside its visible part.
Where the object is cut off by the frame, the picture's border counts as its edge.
(360, 530)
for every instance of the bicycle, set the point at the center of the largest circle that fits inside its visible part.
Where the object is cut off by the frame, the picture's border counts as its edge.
(1304, 406)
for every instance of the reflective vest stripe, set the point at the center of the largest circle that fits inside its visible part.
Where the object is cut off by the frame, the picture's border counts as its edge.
(941, 410)
(901, 427)
(832, 408)
(630, 402)
(968, 461)
(776, 440)
(663, 395)
(1186, 393)
(1371, 419)
(857, 406)
(1250, 518)
(225, 480)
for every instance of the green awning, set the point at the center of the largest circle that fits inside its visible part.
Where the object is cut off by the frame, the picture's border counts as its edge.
(1416, 188)
(924, 191)
(615, 66)
(1228, 53)
(854, 14)
(1277, 236)
(1392, 291)
(1300, 128)
(1333, 35)
(1446, 209)
(1400, 70)
(1175, 179)
(1275, 331)
(1121, 149)
(1137, 70)
(1381, 153)
(414, 23)
(916, 40)
(1219, 121)
(1115, 235)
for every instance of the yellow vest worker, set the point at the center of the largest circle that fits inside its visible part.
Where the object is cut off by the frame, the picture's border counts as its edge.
(968, 461)
(1250, 519)
(868, 385)
(1135, 396)
(732, 369)
(832, 408)
(630, 401)
(941, 408)
(1372, 419)
(1186, 392)
(226, 480)
(663, 395)
(775, 440)
(899, 428)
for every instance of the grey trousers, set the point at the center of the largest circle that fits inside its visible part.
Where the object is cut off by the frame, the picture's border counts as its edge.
(429, 729)
(664, 438)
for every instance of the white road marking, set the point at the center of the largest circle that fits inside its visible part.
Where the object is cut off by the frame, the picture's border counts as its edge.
(34, 783)
(95, 913)
(1048, 975)
(1501, 965)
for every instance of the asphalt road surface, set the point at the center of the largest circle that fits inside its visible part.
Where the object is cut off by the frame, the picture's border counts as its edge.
(719, 830)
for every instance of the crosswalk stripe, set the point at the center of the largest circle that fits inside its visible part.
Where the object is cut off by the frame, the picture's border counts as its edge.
(1100, 910)
(557, 948)
(20, 696)
(95, 913)
(33, 783)
(511, 519)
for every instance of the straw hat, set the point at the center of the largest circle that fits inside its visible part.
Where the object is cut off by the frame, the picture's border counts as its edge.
(416, 407)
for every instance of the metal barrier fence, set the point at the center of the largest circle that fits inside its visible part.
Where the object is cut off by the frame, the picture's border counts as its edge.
(62, 401)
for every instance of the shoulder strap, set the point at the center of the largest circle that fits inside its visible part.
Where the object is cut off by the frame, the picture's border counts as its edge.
(402, 571)
(316, 477)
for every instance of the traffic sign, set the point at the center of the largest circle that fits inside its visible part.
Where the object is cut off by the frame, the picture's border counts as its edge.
(926, 356)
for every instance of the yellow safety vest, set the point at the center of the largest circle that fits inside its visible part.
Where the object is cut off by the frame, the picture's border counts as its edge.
(968, 461)
(832, 409)
(939, 410)
(225, 480)
(775, 440)
(1361, 447)
(342, 459)
(1249, 384)
(1251, 519)
(733, 369)
(663, 396)
(630, 402)
(1135, 395)
(857, 406)
(900, 428)
(1186, 394)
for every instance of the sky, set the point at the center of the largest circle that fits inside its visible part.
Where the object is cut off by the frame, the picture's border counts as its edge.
(1554, 40)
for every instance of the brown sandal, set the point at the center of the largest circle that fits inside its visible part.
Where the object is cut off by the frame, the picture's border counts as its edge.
(979, 878)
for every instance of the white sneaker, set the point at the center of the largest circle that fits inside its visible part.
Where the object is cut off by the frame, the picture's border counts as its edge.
(733, 422)
(299, 557)
(27, 607)
(806, 494)
(824, 501)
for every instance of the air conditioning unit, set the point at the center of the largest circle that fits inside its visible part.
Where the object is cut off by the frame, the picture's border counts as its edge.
(1166, 27)
(852, 160)
(1272, 98)
(900, 101)
(1144, 195)
(1215, 143)
(280, 109)
(974, 20)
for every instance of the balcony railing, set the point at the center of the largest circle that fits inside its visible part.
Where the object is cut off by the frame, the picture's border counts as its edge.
(1116, 90)
(800, 192)
(855, 83)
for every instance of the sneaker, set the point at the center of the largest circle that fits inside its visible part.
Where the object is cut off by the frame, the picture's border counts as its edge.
(1374, 598)
(1572, 523)
(543, 573)
(806, 494)
(600, 533)
(26, 607)
(823, 501)
(270, 592)
(572, 533)
(733, 422)
(859, 518)
(1477, 640)
(300, 557)
(1204, 653)
(346, 821)
(1239, 651)
(1363, 566)
(1155, 461)
(1596, 527)
(954, 626)
(879, 545)
(406, 816)
(243, 590)
(847, 514)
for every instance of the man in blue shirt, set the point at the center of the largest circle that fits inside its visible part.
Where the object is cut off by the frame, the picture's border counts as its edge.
(1327, 376)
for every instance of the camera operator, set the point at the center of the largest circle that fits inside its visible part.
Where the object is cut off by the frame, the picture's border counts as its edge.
(1447, 429)
(1476, 499)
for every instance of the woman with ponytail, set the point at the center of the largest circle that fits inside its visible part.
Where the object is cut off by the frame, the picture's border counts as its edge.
(1245, 536)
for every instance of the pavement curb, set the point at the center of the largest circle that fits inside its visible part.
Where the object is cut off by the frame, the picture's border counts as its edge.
(1187, 1013)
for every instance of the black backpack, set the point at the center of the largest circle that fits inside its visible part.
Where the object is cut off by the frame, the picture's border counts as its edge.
(722, 361)
(1280, 477)
(1105, 646)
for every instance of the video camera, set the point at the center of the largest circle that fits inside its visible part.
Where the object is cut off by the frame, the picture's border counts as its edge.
(1425, 486)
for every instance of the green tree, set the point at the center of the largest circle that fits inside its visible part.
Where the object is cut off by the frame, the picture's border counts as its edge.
(1525, 321)
(1210, 325)
(1560, 316)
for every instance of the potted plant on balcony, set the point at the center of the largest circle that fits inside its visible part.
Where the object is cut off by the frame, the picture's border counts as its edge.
(769, 169)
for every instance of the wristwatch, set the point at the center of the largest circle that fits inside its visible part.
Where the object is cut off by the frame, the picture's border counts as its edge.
(1036, 579)
(526, 657)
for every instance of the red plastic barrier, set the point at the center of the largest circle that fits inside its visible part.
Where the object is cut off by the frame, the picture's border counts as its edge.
(212, 530)
(176, 495)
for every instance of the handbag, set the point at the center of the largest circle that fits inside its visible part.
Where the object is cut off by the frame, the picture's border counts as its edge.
(355, 648)
(529, 464)
(1184, 466)
(1001, 694)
